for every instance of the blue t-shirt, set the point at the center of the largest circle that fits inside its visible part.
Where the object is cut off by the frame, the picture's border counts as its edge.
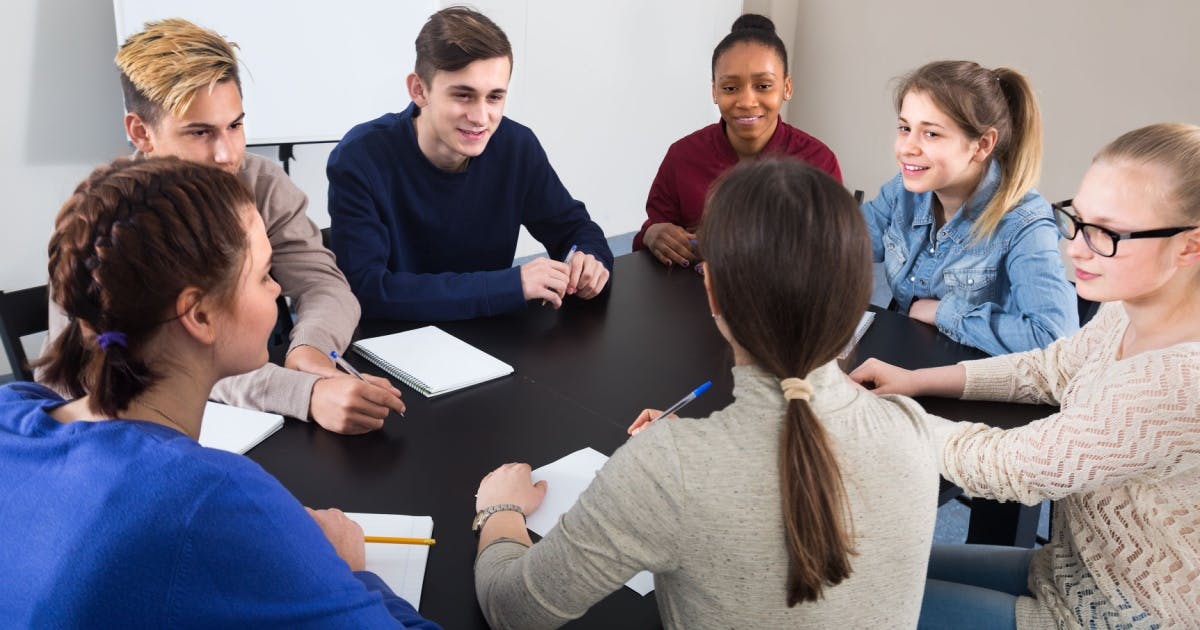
(420, 243)
(1006, 293)
(129, 524)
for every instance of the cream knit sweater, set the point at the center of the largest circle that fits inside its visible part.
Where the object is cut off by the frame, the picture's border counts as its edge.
(1122, 462)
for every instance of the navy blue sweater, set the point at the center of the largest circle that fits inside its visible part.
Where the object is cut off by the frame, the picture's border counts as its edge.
(419, 243)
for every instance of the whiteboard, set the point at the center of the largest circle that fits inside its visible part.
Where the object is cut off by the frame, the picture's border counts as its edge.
(310, 70)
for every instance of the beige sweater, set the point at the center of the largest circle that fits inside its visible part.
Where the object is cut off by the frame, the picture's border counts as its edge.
(697, 502)
(326, 310)
(1122, 462)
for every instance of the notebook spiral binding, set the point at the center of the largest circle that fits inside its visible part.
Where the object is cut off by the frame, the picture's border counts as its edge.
(405, 377)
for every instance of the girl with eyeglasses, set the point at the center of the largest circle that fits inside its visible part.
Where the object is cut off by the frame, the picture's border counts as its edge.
(1121, 459)
(967, 244)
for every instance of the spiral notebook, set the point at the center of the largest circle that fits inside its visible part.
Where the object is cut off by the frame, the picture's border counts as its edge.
(431, 361)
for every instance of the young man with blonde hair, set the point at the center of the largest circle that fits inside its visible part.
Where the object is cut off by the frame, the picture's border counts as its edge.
(183, 98)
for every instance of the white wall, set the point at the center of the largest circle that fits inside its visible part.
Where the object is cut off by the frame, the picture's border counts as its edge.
(1100, 68)
(586, 72)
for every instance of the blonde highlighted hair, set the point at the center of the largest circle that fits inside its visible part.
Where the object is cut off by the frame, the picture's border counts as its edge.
(1172, 146)
(978, 99)
(164, 66)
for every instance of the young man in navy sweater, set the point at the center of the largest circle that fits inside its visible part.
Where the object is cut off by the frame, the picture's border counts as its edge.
(426, 204)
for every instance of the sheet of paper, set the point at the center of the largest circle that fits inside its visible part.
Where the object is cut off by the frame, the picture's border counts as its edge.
(235, 429)
(566, 479)
(402, 567)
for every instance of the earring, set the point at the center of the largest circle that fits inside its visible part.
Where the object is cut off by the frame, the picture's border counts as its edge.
(716, 315)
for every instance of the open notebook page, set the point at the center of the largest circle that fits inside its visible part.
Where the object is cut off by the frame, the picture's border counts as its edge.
(235, 429)
(402, 567)
(566, 479)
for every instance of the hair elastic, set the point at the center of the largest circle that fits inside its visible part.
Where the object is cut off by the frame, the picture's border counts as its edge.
(796, 389)
(106, 339)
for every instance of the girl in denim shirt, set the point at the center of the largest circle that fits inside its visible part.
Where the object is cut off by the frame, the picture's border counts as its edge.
(967, 244)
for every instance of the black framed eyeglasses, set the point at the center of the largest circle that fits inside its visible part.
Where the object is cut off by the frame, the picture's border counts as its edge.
(1099, 239)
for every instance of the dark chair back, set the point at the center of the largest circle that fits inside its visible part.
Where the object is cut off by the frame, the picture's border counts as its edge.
(22, 313)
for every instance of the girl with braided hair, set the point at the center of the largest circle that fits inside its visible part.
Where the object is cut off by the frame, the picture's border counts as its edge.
(114, 516)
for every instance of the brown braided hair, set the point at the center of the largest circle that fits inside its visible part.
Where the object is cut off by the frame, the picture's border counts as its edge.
(133, 235)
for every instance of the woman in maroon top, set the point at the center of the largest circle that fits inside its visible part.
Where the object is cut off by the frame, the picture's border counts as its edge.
(750, 84)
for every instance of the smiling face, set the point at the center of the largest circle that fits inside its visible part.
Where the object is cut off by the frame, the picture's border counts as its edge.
(750, 85)
(210, 132)
(1127, 197)
(460, 110)
(935, 155)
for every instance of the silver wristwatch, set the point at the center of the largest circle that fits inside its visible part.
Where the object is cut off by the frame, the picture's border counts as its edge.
(483, 515)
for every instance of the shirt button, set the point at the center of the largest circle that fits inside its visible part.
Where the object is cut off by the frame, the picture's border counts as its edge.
(912, 279)
(970, 281)
(930, 250)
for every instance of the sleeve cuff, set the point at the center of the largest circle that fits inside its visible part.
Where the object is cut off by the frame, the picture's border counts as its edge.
(505, 294)
(988, 379)
(949, 316)
(271, 388)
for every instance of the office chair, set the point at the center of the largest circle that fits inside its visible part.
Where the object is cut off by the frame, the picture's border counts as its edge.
(22, 313)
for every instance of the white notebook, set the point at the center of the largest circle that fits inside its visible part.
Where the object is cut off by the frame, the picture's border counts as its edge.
(431, 361)
(566, 479)
(235, 429)
(402, 567)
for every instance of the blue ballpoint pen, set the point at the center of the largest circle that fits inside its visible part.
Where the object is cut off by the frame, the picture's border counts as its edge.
(345, 365)
(686, 399)
(342, 363)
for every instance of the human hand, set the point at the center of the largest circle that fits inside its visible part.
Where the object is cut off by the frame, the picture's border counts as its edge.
(670, 244)
(546, 279)
(510, 483)
(924, 310)
(885, 378)
(344, 404)
(311, 360)
(645, 418)
(345, 535)
(587, 276)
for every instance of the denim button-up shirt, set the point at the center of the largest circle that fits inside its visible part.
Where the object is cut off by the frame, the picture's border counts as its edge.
(1006, 293)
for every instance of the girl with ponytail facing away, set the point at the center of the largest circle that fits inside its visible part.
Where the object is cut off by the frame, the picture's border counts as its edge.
(967, 244)
(114, 516)
(806, 502)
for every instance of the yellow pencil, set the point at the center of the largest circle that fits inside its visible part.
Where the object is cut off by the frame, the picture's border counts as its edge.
(397, 540)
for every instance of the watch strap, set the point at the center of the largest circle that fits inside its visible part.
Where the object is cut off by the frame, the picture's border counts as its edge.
(483, 515)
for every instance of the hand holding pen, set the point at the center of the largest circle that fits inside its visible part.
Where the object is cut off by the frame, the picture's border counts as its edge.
(367, 399)
(566, 289)
(648, 416)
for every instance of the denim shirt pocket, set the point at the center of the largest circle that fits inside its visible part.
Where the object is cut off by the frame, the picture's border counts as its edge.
(895, 254)
(975, 285)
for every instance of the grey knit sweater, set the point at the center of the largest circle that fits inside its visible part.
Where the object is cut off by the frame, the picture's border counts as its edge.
(697, 502)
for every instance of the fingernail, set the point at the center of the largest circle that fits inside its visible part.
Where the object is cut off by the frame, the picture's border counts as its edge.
(684, 263)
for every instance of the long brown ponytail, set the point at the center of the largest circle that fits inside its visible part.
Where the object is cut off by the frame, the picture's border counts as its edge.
(130, 239)
(789, 261)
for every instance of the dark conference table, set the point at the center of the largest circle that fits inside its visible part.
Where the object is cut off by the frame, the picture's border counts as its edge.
(581, 375)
